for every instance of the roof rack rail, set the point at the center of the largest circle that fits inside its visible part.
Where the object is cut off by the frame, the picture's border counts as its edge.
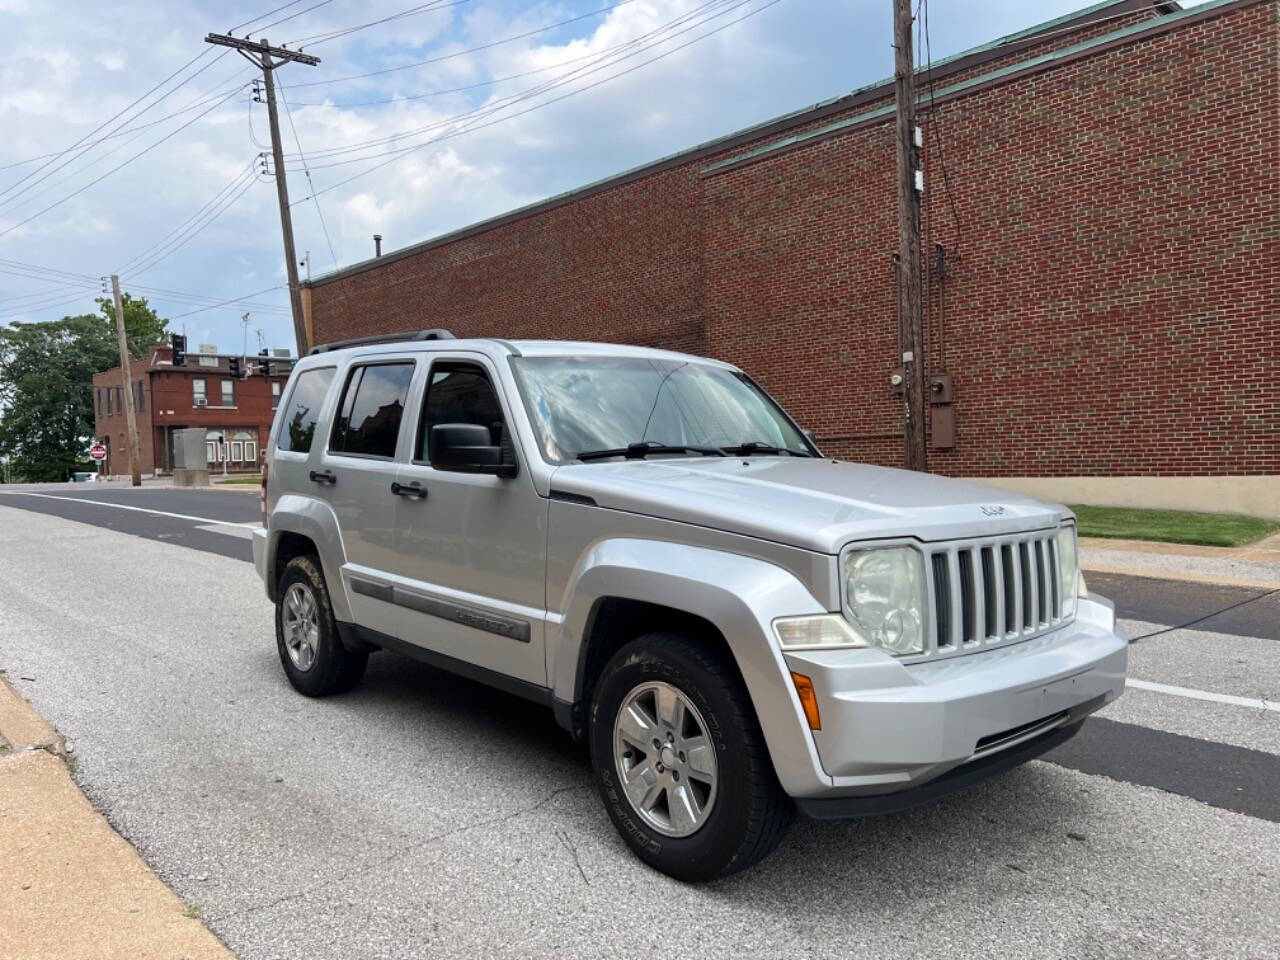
(437, 333)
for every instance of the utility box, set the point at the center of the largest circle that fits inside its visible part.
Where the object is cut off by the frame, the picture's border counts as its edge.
(190, 462)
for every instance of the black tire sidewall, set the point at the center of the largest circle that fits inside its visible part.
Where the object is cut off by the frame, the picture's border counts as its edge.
(317, 681)
(717, 843)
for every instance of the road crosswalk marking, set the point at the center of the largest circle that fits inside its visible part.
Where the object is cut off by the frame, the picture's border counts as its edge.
(121, 506)
(1191, 694)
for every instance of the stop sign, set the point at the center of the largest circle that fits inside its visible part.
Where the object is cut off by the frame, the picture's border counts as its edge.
(97, 452)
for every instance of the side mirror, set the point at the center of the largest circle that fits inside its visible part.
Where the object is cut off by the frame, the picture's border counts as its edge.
(467, 448)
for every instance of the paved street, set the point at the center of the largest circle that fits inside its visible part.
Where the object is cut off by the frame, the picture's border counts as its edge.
(423, 815)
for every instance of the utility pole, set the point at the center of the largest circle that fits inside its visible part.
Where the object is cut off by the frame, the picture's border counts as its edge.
(135, 450)
(260, 54)
(910, 186)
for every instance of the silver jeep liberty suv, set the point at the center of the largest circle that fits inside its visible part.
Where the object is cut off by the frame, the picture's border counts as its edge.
(645, 542)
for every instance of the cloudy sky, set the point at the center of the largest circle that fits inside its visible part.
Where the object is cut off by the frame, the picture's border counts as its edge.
(516, 100)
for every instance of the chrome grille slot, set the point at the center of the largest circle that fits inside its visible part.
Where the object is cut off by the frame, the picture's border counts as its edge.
(941, 600)
(993, 591)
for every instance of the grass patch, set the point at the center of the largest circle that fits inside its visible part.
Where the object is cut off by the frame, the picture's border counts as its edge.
(1172, 526)
(193, 912)
(244, 481)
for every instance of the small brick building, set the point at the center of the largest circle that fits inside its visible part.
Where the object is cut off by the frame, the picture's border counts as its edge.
(1102, 224)
(235, 413)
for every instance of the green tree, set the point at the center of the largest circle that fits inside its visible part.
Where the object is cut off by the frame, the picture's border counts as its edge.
(46, 383)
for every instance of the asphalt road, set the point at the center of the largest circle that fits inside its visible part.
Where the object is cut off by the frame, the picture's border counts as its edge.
(423, 815)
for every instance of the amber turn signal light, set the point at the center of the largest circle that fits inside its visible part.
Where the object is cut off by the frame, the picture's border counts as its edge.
(808, 699)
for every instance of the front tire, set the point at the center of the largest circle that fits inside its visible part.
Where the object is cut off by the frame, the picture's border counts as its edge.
(311, 652)
(680, 760)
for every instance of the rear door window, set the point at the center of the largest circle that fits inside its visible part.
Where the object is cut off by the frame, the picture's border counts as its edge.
(299, 425)
(372, 406)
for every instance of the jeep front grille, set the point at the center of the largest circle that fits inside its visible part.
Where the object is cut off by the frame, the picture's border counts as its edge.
(993, 591)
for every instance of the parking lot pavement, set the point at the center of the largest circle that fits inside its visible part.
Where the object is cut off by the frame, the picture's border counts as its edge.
(424, 815)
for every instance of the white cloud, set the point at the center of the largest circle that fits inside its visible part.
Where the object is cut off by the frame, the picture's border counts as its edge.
(57, 83)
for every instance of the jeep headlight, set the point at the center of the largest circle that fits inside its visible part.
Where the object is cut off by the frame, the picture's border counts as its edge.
(885, 597)
(1070, 582)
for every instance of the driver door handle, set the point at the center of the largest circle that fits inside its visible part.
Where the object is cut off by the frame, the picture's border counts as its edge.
(323, 476)
(413, 489)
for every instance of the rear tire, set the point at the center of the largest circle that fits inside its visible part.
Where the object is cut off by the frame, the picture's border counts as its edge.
(737, 812)
(311, 652)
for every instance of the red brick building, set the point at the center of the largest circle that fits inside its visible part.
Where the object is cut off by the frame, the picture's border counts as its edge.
(1105, 193)
(235, 413)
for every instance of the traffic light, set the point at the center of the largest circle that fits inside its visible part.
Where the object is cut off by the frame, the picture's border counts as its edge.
(179, 350)
(234, 367)
(264, 366)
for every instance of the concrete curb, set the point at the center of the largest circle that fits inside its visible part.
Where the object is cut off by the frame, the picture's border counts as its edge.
(21, 728)
(70, 885)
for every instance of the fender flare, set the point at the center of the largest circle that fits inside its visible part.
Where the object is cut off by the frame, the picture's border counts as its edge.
(739, 595)
(316, 521)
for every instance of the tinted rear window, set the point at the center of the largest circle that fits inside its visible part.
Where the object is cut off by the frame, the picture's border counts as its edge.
(368, 420)
(299, 425)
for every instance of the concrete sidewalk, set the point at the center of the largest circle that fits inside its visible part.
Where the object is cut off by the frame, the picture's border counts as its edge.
(1253, 565)
(70, 886)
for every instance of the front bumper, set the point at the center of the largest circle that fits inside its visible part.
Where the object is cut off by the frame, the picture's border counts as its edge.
(889, 727)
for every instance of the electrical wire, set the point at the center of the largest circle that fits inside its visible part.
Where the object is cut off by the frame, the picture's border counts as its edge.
(263, 16)
(296, 139)
(223, 303)
(937, 132)
(202, 53)
(653, 38)
(261, 30)
(90, 146)
(463, 53)
(104, 176)
(230, 185)
(345, 31)
(398, 154)
(195, 230)
(144, 126)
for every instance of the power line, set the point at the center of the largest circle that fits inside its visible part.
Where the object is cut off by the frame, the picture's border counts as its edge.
(280, 173)
(502, 103)
(97, 180)
(412, 11)
(463, 53)
(223, 303)
(194, 231)
(398, 154)
(261, 30)
(245, 171)
(90, 146)
(263, 16)
(105, 123)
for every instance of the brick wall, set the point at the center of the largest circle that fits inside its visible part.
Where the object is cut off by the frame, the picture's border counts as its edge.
(169, 393)
(1111, 293)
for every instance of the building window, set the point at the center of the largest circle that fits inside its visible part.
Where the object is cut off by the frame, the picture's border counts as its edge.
(97, 402)
(198, 396)
(142, 398)
(275, 394)
(108, 401)
(228, 393)
(119, 399)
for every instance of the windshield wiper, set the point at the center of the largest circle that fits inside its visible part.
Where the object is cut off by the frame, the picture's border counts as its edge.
(638, 451)
(755, 446)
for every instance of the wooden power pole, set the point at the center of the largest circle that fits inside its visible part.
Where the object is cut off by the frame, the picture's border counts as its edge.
(126, 377)
(267, 58)
(910, 186)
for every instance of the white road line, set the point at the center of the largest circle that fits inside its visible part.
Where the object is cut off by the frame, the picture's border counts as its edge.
(1203, 695)
(121, 506)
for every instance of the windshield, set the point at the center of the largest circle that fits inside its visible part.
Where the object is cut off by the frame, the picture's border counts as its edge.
(585, 404)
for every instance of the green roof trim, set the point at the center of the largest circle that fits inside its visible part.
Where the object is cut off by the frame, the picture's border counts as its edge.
(980, 80)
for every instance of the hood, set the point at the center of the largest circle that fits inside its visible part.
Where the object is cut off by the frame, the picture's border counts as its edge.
(815, 504)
